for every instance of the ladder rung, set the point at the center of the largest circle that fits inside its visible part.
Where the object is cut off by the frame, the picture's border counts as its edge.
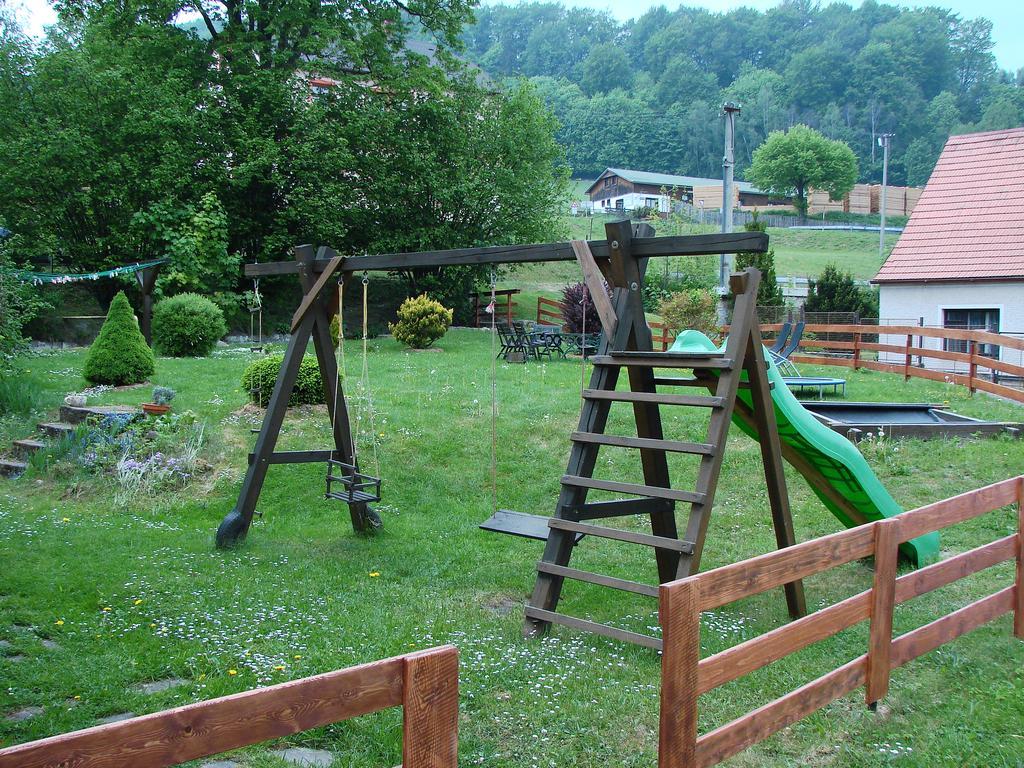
(669, 381)
(632, 537)
(597, 578)
(634, 488)
(702, 401)
(592, 626)
(664, 360)
(625, 441)
(594, 510)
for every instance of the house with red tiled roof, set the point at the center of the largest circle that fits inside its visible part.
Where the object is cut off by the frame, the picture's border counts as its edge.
(960, 260)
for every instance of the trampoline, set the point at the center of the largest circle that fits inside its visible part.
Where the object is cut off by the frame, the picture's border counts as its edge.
(920, 420)
(820, 383)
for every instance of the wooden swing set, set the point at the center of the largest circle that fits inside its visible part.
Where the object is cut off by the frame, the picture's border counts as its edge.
(621, 261)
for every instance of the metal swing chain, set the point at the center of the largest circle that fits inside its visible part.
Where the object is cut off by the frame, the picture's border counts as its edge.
(364, 381)
(494, 394)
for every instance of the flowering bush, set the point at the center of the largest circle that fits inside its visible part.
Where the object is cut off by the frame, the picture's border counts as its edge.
(573, 297)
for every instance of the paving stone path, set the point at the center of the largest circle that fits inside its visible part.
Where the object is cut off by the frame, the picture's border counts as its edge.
(158, 685)
(23, 714)
(115, 718)
(317, 758)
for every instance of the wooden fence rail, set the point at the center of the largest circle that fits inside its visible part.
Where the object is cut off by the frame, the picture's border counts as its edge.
(685, 676)
(912, 347)
(425, 685)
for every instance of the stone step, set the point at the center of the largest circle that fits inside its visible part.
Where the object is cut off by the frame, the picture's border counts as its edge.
(56, 429)
(12, 467)
(25, 448)
(71, 414)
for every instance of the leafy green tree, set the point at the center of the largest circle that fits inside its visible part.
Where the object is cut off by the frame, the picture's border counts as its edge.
(606, 68)
(684, 82)
(836, 291)
(769, 294)
(799, 159)
(19, 304)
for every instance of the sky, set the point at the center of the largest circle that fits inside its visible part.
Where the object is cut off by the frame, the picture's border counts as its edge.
(1007, 16)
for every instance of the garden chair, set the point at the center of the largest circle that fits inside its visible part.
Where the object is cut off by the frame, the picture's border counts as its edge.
(780, 341)
(511, 342)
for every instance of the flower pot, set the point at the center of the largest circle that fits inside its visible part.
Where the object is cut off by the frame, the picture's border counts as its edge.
(75, 401)
(155, 410)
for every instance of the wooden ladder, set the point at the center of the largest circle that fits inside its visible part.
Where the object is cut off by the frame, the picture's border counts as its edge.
(630, 348)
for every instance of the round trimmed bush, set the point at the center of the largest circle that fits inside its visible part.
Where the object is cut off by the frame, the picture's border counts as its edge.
(120, 354)
(260, 375)
(421, 322)
(187, 325)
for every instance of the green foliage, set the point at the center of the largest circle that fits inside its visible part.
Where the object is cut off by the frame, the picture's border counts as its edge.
(19, 304)
(260, 375)
(797, 160)
(163, 395)
(421, 322)
(769, 294)
(605, 69)
(835, 291)
(119, 355)
(694, 308)
(187, 325)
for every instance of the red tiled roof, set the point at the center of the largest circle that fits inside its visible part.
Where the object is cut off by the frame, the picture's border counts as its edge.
(969, 223)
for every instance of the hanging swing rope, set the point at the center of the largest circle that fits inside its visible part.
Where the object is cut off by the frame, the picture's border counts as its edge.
(493, 309)
(364, 379)
(357, 487)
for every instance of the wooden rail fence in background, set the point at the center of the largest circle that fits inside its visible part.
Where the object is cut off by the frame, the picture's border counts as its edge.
(912, 347)
(425, 685)
(685, 676)
(549, 312)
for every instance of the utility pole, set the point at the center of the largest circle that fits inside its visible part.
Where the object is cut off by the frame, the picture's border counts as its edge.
(729, 111)
(883, 142)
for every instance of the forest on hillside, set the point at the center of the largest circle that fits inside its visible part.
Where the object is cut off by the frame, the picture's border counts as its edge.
(647, 93)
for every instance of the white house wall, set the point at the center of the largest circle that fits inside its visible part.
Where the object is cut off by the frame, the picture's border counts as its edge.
(910, 303)
(632, 202)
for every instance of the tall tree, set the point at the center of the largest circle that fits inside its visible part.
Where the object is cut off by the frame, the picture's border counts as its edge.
(795, 161)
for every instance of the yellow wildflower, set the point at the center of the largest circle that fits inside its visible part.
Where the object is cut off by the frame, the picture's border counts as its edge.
(232, 672)
(374, 574)
(59, 622)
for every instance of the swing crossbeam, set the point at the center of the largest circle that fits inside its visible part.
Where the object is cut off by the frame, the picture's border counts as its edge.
(356, 486)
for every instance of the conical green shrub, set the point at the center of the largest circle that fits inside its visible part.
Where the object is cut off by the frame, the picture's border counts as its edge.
(120, 354)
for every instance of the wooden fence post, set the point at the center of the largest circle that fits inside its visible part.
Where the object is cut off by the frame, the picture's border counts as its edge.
(883, 601)
(430, 703)
(856, 349)
(1018, 607)
(972, 366)
(906, 358)
(679, 613)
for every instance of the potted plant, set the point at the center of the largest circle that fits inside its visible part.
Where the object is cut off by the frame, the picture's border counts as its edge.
(162, 397)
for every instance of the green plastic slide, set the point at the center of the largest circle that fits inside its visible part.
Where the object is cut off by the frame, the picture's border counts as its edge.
(832, 465)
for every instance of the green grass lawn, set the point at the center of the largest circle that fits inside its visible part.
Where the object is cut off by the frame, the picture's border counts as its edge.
(130, 593)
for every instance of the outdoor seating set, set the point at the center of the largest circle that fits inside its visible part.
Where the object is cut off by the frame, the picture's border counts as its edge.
(523, 341)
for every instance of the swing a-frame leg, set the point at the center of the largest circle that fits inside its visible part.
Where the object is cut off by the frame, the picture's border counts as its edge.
(311, 322)
(630, 347)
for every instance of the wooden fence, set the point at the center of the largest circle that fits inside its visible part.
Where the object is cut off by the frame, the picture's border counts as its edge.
(549, 312)
(504, 307)
(425, 685)
(685, 676)
(858, 339)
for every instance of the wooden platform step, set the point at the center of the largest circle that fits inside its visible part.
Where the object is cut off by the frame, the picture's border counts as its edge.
(12, 468)
(631, 537)
(624, 441)
(520, 524)
(28, 446)
(592, 626)
(635, 489)
(56, 429)
(663, 360)
(700, 401)
(598, 578)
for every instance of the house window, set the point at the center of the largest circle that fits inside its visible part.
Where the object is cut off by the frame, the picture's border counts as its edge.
(620, 204)
(971, 320)
(609, 182)
(650, 202)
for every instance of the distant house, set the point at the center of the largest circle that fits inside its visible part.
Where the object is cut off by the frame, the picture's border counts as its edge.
(624, 189)
(960, 260)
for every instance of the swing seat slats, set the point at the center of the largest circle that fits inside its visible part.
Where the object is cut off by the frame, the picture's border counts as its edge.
(355, 487)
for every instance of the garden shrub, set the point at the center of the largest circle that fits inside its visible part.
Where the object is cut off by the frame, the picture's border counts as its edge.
(572, 308)
(259, 377)
(187, 325)
(692, 308)
(421, 322)
(836, 291)
(120, 354)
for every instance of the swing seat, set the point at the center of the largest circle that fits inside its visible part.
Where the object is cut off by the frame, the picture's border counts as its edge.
(346, 483)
